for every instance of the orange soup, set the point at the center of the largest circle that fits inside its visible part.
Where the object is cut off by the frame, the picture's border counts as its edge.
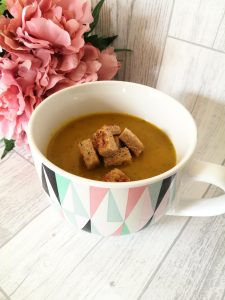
(158, 156)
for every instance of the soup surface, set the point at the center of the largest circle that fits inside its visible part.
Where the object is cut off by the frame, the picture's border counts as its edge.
(159, 154)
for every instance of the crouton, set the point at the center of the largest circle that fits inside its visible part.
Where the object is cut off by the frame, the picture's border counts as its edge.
(120, 157)
(88, 153)
(117, 140)
(116, 175)
(132, 141)
(115, 129)
(104, 142)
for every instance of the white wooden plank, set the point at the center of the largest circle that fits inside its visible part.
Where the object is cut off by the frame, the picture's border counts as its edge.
(142, 27)
(189, 71)
(195, 76)
(3, 296)
(20, 200)
(24, 152)
(194, 268)
(199, 21)
(219, 42)
(43, 256)
(117, 267)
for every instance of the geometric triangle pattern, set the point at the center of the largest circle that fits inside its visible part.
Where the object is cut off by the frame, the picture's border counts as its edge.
(87, 226)
(161, 195)
(164, 188)
(43, 180)
(134, 195)
(125, 229)
(113, 214)
(52, 179)
(108, 211)
(62, 185)
(94, 230)
(96, 196)
(154, 191)
(79, 209)
(118, 231)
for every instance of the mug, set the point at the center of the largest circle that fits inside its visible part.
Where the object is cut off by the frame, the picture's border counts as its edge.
(118, 208)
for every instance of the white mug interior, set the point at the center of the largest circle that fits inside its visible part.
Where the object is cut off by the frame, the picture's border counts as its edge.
(114, 96)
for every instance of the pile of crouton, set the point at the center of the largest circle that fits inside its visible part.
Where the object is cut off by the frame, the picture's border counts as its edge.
(112, 146)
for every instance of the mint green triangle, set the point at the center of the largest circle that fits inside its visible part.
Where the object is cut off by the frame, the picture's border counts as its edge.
(93, 229)
(113, 211)
(79, 209)
(70, 216)
(62, 184)
(154, 190)
(125, 229)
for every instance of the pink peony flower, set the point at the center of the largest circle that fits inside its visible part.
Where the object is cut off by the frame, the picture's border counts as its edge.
(17, 99)
(45, 24)
(46, 52)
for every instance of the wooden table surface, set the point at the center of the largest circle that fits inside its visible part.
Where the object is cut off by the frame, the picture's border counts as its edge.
(178, 47)
(43, 257)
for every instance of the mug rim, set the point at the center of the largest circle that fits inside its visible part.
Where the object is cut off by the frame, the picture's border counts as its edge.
(104, 184)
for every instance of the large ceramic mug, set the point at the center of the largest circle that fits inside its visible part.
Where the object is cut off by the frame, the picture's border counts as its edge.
(112, 208)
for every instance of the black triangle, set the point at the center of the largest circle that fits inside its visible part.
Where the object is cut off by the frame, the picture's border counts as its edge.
(52, 180)
(43, 179)
(87, 226)
(164, 188)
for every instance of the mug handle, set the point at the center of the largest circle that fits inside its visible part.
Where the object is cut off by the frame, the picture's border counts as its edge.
(205, 172)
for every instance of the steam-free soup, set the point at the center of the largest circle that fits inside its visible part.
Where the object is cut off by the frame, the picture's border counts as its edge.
(158, 156)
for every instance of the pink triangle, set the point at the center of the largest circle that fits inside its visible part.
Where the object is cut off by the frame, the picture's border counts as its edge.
(134, 195)
(96, 197)
(118, 231)
(146, 211)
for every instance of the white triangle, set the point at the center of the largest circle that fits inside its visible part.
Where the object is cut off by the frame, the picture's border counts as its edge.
(70, 217)
(162, 208)
(68, 203)
(81, 221)
(120, 196)
(134, 220)
(84, 195)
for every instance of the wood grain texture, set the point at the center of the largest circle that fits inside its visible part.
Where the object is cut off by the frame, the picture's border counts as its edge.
(199, 21)
(142, 27)
(25, 153)
(3, 295)
(55, 261)
(194, 268)
(43, 257)
(195, 76)
(20, 201)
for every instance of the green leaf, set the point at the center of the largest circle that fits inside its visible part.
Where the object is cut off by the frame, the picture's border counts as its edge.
(9, 145)
(121, 50)
(2, 6)
(95, 14)
(100, 42)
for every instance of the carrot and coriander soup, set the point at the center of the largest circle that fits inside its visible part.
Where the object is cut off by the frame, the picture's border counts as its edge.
(112, 147)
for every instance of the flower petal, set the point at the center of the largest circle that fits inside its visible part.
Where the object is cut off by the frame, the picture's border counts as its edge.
(69, 62)
(110, 65)
(49, 31)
